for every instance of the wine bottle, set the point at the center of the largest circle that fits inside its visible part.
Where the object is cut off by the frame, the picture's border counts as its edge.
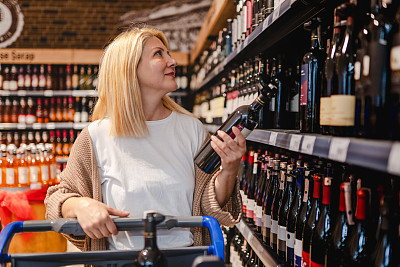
(315, 213)
(376, 67)
(343, 96)
(252, 180)
(294, 212)
(321, 237)
(261, 180)
(340, 234)
(245, 118)
(311, 70)
(150, 255)
(280, 113)
(361, 241)
(386, 247)
(272, 187)
(246, 183)
(275, 207)
(394, 95)
(287, 199)
(303, 215)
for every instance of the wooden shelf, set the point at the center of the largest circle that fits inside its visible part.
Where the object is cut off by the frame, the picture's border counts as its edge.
(64, 56)
(216, 20)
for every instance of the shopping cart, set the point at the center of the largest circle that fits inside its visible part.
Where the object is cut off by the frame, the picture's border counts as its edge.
(212, 255)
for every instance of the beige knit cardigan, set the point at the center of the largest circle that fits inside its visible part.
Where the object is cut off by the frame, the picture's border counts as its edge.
(81, 179)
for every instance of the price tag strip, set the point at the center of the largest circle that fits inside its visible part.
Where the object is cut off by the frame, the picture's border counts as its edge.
(394, 162)
(272, 138)
(307, 146)
(295, 141)
(338, 149)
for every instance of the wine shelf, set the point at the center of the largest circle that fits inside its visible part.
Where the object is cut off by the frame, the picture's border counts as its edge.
(267, 257)
(51, 93)
(290, 15)
(44, 126)
(373, 154)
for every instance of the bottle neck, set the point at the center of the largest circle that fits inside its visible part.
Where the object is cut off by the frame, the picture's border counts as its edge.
(362, 204)
(150, 238)
(317, 186)
(342, 202)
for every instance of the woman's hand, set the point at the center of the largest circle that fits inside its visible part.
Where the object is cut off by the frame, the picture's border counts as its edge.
(231, 154)
(93, 216)
(229, 151)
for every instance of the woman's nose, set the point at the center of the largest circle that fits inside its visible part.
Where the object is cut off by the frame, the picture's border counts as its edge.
(171, 62)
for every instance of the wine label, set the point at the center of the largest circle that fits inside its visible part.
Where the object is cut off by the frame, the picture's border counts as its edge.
(357, 70)
(294, 103)
(22, 175)
(13, 85)
(53, 171)
(22, 118)
(27, 81)
(33, 173)
(282, 238)
(304, 85)
(30, 119)
(274, 227)
(305, 261)
(325, 111)
(366, 61)
(395, 58)
(259, 216)
(45, 172)
(343, 110)
(42, 82)
(267, 221)
(298, 249)
(10, 179)
(290, 245)
(272, 104)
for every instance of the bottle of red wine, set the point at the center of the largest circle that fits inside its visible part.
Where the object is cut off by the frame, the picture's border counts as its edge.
(315, 213)
(251, 177)
(321, 237)
(275, 207)
(361, 241)
(294, 213)
(269, 198)
(284, 210)
(280, 111)
(343, 100)
(341, 231)
(386, 247)
(394, 97)
(303, 215)
(150, 255)
(261, 181)
(245, 118)
(311, 70)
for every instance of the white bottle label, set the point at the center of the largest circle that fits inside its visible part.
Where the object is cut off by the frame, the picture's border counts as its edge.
(325, 111)
(45, 172)
(366, 61)
(282, 233)
(267, 221)
(53, 171)
(274, 227)
(395, 58)
(343, 110)
(22, 175)
(33, 173)
(13, 85)
(298, 248)
(290, 240)
(10, 178)
(77, 116)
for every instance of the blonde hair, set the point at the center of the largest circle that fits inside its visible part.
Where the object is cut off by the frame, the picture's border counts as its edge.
(118, 87)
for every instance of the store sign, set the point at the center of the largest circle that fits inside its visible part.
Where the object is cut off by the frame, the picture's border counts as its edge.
(11, 22)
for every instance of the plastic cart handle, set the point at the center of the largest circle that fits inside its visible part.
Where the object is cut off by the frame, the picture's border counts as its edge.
(71, 226)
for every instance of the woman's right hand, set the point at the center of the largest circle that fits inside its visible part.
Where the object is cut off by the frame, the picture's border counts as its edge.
(93, 216)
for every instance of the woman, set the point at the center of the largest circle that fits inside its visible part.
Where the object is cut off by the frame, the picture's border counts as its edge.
(138, 154)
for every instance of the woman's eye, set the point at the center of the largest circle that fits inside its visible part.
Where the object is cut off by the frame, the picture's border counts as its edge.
(157, 53)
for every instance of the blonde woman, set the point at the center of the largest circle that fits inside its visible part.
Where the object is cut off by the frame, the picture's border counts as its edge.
(138, 154)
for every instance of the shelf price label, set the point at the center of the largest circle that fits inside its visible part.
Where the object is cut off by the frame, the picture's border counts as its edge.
(295, 141)
(393, 162)
(307, 146)
(21, 93)
(37, 126)
(338, 149)
(276, 13)
(21, 126)
(265, 24)
(50, 126)
(272, 138)
(48, 93)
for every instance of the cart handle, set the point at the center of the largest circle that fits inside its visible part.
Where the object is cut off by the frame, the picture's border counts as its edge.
(71, 226)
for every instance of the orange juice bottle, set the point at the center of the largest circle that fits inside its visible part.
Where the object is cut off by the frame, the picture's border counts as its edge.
(34, 177)
(53, 163)
(44, 165)
(23, 170)
(11, 167)
(3, 164)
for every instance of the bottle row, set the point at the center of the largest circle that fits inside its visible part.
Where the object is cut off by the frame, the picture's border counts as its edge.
(61, 140)
(346, 84)
(43, 110)
(48, 77)
(302, 209)
(61, 77)
(31, 166)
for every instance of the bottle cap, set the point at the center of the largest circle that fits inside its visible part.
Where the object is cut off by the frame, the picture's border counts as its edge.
(317, 186)
(362, 204)
(326, 197)
(342, 202)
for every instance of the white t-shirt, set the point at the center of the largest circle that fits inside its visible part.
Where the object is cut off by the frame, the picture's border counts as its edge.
(151, 173)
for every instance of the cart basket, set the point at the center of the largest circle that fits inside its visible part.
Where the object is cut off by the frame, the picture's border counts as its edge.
(175, 257)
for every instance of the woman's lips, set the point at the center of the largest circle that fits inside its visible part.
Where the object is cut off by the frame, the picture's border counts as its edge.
(171, 74)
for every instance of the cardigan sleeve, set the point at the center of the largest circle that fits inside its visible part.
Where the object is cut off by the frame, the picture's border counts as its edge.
(75, 181)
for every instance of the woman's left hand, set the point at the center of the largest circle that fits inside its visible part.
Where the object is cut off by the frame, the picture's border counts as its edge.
(231, 152)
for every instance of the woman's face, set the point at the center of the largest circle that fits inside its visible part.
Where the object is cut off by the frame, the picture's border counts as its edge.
(156, 69)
